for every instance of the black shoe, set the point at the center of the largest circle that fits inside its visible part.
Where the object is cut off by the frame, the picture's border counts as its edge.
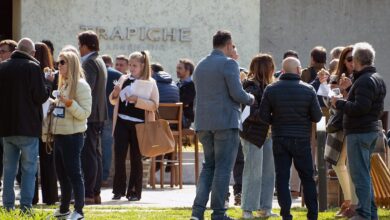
(133, 198)
(117, 197)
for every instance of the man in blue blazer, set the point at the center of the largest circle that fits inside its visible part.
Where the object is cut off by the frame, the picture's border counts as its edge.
(219, 94)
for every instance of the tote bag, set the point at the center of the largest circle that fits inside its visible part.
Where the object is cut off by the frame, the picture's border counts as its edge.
(155, 138)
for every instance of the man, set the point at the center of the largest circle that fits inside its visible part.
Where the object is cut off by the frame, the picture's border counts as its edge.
(169, 92)
(289, 53)
(122, 64)
(6, 49)
(112, 76)
(184, 70)
(96, 76)
(23, 90)
(290, 106)
(317, 62)
(362, 110)
(217, 114)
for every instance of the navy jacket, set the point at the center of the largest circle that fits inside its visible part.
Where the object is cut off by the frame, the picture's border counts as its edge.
(169, 92)
(290, 106)
(112, 74)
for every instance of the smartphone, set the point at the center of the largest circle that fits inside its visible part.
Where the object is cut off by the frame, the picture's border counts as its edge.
(336, 91)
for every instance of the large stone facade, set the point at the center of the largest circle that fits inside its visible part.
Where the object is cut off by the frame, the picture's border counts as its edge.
(169, 29)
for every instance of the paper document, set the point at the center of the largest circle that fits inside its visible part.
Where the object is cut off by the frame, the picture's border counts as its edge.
(125, 92)
(45, 107)
(323, 90)
(245, 113)
(140, 88)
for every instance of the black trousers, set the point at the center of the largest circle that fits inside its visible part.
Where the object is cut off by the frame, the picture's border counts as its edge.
(126, 137)
(48, 175)
(91, 159)
(237, 171)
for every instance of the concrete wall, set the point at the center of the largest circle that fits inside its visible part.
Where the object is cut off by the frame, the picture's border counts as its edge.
(60, 22)
(302, 24)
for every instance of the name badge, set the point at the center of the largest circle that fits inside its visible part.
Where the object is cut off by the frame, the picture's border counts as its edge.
(59, 112)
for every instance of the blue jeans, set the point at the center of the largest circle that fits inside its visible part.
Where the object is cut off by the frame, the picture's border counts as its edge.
(107, 149)
(359, 150)
(287, 149)
(26, 148)
(220, 150)
(67, 154)
(258, 180)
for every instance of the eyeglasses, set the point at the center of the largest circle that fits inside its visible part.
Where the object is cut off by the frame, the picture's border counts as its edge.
(61, 62)
(349, 59)
(3, 51)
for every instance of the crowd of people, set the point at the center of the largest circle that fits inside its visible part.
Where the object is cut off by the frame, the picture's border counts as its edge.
(74, 112)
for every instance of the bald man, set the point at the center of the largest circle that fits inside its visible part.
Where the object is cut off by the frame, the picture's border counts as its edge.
(290, 106)
(23, 90)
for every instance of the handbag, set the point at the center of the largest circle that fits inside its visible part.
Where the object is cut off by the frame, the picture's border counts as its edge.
(335, 122)
(155, 138)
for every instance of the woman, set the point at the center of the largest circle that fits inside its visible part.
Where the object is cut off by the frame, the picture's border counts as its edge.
(46, 159)
(342, 80)
(258, 178)
(130, 110)
(72, 108)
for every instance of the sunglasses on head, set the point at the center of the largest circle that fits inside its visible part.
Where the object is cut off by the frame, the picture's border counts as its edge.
(349, 59)
(62, 62)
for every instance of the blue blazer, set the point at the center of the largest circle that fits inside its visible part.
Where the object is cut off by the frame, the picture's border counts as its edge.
(219, 93)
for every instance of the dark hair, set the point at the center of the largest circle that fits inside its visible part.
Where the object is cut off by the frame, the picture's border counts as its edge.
(43, 55)
(89, 39)
(10, 43)
(50, 45)
(188, 65)
(318, 54)
(107, 59)
(262, 68)
(156, 67)
(290, 53)
(122, 57)
(221, 38)
(341, 67)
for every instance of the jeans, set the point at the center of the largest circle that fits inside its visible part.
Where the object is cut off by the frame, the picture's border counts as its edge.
(107, 141)
(91, 158)
(285, 150)
(220, 150)
(67, 154)
(359, 150)
(258, 180)
(26, 148)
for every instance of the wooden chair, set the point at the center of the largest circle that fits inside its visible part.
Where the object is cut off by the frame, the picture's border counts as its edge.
(172, 112)
(191, 133)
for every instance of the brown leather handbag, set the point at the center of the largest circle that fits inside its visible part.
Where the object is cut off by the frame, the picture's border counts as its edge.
(155, 138)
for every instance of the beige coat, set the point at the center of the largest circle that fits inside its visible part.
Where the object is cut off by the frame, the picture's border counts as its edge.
(76, 115)
(149, 105)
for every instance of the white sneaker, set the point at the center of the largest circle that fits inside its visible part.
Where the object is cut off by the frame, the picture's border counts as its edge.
(266, 214)
(59, 215)
(247, 214)
(17, 197)
(75, 216)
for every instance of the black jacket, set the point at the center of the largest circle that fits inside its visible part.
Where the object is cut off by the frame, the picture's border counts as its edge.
(23, 92)
(169, 93)
(187, 97)
(364, 104)
(290, 106)
(253, 129)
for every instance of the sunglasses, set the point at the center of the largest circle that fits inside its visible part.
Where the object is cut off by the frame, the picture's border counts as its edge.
(61, 62)
(349, 59)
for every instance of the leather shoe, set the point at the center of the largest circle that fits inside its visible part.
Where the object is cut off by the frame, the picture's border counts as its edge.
(89, 201)
(98, 200)
(117, 197)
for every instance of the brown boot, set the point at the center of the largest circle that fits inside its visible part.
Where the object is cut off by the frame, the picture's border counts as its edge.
(343, 208)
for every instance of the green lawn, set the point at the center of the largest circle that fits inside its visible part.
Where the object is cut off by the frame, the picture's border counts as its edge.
(119, 212)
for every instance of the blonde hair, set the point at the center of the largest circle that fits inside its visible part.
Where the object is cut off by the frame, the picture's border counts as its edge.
(144, 58)
(74, 74)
